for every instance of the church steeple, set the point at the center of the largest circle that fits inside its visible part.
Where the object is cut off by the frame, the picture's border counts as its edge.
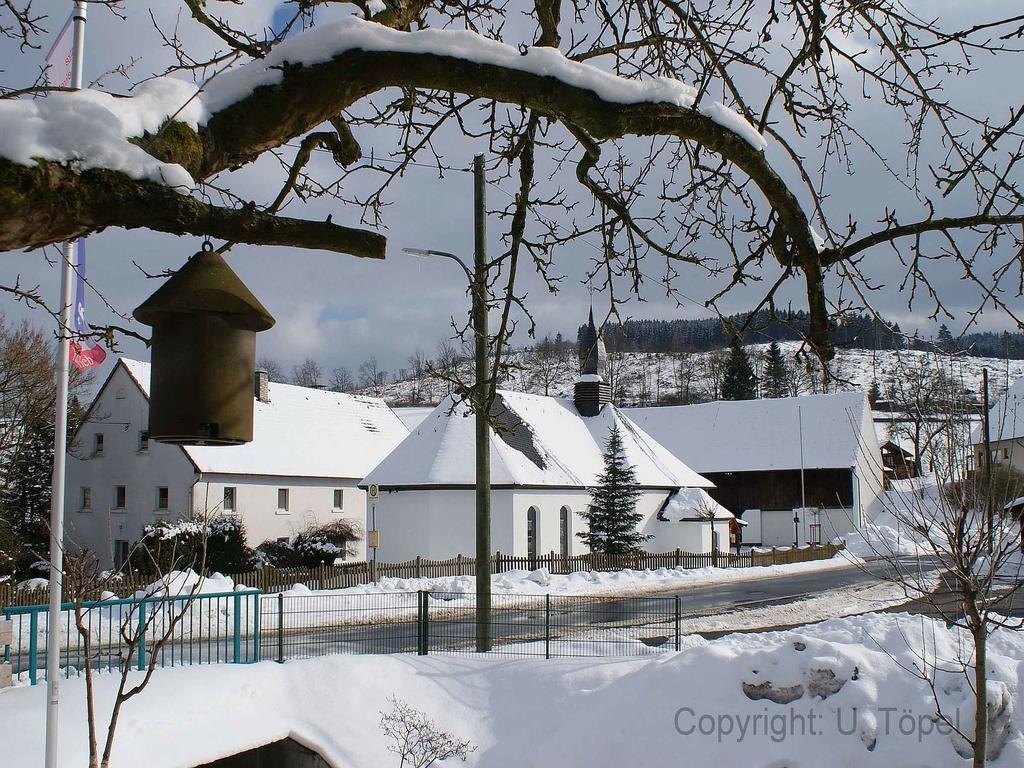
(591, 393)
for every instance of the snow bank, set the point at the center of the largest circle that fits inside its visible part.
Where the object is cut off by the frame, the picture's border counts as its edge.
(847, 685)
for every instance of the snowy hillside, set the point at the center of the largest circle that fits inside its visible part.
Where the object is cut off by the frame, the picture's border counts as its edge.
(648, 378)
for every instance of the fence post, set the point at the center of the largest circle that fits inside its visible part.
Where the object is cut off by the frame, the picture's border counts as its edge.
(373, 571)
(497, 563)
(677, 622)
(33, 646)
(458, 564)
(418, 571)
(258, 606)
(774, 558)
(714, 557)
(142, 635)
(423, 624)
(547, 625)
(236, 645)
(280, 627)
(679, 557)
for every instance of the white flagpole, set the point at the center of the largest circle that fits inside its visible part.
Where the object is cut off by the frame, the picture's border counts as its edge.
(53, 630)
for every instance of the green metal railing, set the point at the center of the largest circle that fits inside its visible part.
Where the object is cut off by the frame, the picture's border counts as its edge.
(183, 630)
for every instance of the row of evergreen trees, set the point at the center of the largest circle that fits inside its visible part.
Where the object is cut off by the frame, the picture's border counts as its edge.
(739, 381)
(850, 332)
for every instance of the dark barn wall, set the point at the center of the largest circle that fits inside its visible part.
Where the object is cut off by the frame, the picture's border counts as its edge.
(280, 754)
(780, 489)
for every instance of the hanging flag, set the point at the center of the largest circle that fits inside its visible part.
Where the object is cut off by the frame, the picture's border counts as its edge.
(61, 57)
(84, 353)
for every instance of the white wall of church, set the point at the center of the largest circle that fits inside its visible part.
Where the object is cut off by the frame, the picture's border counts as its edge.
(440, 523)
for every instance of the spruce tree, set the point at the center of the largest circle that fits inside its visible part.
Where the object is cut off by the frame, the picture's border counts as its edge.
(874, 393)
(739, 382)
(612, 517)
(775, 380)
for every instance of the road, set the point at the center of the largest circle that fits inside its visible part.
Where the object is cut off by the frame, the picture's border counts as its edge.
(611, 623)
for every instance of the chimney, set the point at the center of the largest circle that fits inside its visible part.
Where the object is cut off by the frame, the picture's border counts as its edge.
(261, 386)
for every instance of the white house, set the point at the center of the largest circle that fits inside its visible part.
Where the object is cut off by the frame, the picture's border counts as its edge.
(795, 469)
(310, 449)
(1006, 430)
(546, 454)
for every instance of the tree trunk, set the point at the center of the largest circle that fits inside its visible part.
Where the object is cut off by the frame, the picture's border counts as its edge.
(980, 696)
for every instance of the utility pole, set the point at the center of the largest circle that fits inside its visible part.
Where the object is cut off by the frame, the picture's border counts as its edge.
(60, 436)
(987, 463)
(479, 398)
(480, 406)
(803, 487)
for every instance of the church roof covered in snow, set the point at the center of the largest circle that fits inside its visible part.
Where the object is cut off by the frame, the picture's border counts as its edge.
(752, 435)
(301, 432)
(538, 441)
(1005, 417)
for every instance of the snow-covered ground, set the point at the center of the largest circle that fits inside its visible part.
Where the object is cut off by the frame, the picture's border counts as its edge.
(646, 378)
(848, 684)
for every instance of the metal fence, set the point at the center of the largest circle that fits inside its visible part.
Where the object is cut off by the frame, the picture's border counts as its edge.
(304, 626)
(353, 574)
(181, 631)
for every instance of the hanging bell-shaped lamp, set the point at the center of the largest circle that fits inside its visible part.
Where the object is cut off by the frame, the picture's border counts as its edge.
(203, 354)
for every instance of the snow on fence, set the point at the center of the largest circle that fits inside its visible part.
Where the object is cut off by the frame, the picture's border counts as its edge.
(270, 579)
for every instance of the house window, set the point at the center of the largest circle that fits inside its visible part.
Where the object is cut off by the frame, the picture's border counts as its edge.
(143, 440)
(120, 496)
(97, 445)
(163, 497)
(563, 530)
(531, 533)
(339, 499)
(229, 499)
(86, 497)
(282, 499)
(120, 553)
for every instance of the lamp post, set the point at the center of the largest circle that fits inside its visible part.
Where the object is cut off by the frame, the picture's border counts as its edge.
(477, 278)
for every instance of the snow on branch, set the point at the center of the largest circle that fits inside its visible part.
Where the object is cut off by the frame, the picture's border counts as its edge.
(91, 129)
(323, 43)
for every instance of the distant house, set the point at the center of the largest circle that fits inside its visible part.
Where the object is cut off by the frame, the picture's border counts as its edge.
(1006, 430)
(310, 449)
(897, 462)
(795, 470)
(546, 454)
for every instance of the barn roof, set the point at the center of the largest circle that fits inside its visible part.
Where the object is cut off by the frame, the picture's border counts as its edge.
(1005, 417)
(751, 435)
(539, 441)
(301, 432)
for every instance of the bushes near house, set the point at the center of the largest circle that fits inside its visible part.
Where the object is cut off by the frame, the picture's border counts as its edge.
(176, 545)
(313, 546)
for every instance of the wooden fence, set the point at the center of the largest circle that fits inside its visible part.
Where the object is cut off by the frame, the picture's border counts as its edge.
(352, 574)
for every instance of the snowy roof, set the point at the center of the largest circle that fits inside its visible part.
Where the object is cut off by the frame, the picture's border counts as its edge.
(543, 442)
(412, 416)
(688, 503)
(301, 432)
(750, 435)
(1005, 417)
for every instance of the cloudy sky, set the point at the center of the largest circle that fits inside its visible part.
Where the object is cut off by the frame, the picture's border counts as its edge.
(338, 309)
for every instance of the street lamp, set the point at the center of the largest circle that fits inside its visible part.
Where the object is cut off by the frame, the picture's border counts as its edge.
(477, 278)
